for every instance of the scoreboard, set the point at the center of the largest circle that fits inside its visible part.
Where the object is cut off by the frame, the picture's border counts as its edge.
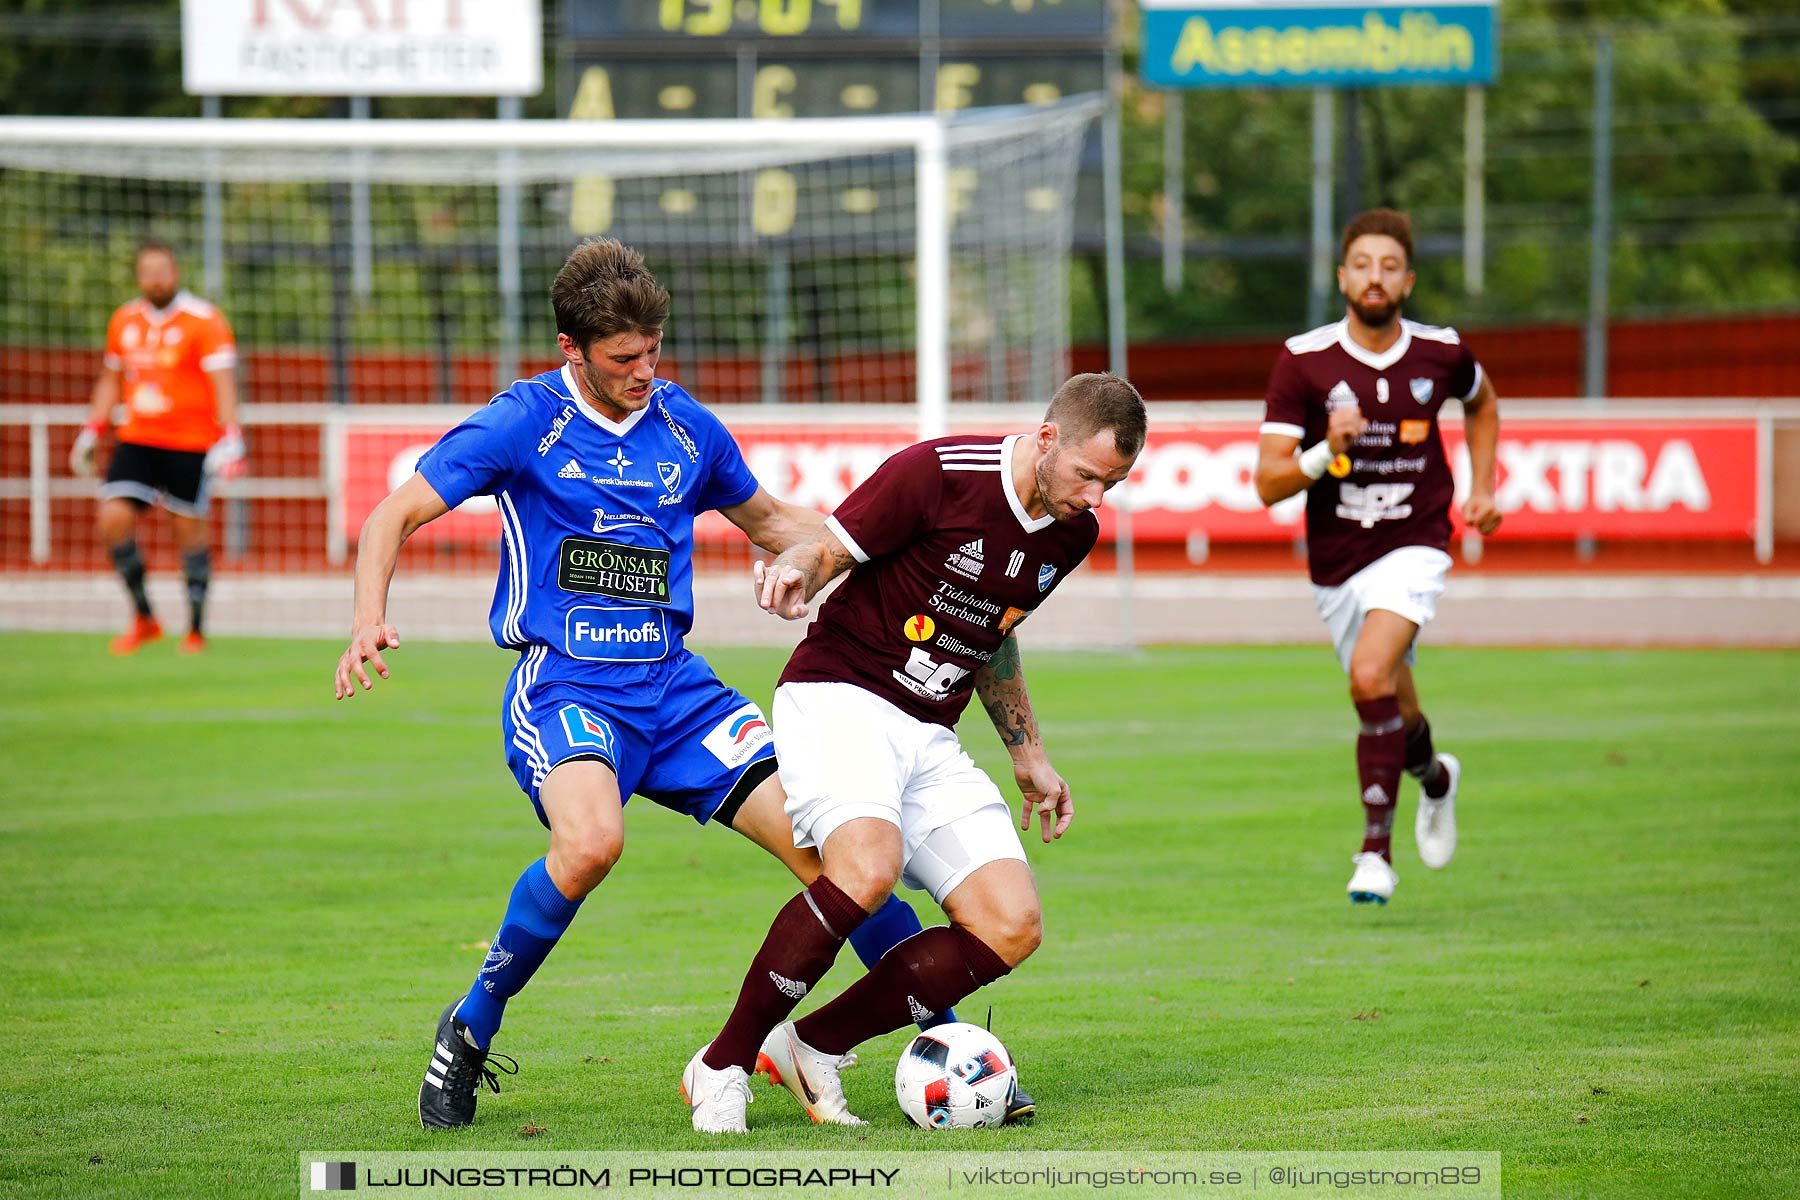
(647, 59)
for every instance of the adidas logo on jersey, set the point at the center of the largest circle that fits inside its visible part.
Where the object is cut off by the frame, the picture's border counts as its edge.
(793, 989)
(967, 560)
(572, 471)
(919, 1012)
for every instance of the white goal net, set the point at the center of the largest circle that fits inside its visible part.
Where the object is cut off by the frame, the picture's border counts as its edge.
(384, 278)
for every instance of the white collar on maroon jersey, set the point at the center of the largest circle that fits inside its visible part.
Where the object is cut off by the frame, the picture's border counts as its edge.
(1369, 358)
(1031, 524)
(616, 428)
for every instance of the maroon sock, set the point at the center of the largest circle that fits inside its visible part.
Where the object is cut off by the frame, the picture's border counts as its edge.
(1380, 753)
(1421, 760)
(802, 943)
(916, 980)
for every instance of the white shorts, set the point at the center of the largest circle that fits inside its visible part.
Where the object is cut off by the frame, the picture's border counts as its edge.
(1407, 581)
(847, 753)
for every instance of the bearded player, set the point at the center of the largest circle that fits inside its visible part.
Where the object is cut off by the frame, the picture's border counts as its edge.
(1359, 401)
(950, 545)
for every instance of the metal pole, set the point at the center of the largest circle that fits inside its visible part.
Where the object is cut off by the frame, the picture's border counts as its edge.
(38, 436)
(1174, 189)
(1323, 118)
(1599, 264)
(512, 305)
(777, 318)
(932, 264)
(1474, 190)
(362, 268)
(1115, 318)
(212, 236)
(1350, 184)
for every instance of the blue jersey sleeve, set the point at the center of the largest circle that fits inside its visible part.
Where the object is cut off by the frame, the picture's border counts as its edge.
(479, 456)
(728, 478)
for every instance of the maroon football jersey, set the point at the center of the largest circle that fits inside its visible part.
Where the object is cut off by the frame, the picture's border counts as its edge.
(1398, 489)
(948, 564)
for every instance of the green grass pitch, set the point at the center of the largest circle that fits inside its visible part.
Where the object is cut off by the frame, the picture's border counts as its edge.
(232, 910)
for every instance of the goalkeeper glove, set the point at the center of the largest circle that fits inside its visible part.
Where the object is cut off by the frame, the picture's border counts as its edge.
(81, 454)
(226, 458)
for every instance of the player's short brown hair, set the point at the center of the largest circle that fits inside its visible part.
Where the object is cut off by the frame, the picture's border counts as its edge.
(1087, 404)
(1386, 222)
(605, 289)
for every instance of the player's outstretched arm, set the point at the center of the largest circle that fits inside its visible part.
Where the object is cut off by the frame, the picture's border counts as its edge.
(786, 586)
(410, 506)
(1001, 685)
(1481, 430)
(774, 525)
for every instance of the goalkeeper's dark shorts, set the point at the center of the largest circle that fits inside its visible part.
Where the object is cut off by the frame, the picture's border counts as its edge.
(147, 475)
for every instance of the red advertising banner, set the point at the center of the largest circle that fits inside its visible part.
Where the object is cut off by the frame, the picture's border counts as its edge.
(1557, 479)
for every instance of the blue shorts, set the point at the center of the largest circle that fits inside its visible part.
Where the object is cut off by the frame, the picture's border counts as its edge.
(670, 731)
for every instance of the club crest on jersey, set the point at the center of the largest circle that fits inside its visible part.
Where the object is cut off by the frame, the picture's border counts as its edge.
(670, 474)
(585, 729)
(1421, 390)
(919, 628)
(967, 560)
(1045, 574)
(735, 740)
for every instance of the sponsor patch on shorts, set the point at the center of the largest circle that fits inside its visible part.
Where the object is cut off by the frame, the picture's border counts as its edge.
(735, 740)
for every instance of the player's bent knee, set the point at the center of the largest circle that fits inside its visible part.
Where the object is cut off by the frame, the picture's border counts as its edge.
(587, 857)
(1015, 935)
(867, 883)
(1370, 681)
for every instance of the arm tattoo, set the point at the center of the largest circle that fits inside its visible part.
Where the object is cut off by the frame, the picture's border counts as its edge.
(1001, 686)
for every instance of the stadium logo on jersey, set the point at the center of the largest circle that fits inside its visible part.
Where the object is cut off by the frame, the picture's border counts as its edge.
(919, 628)
(1376, 502)
(610, 569)
(967, 560)
(670, 474)
(1421, 390)
(585, 729)
(556, 430)
(497, 958)
(1012, 617)
(924, 676)
(596, 634)
(572, 471)
(1014, 562)
(1045, 574)
(735, 740)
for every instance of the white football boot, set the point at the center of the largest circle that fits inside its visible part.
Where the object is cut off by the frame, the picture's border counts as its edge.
(718, 1098)
(1435, 828)
(1374, 880)
(810, 1075)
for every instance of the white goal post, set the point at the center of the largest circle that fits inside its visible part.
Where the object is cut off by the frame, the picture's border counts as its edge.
(812, 250)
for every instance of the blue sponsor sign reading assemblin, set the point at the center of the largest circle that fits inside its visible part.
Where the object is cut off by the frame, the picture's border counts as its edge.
(1253, 43)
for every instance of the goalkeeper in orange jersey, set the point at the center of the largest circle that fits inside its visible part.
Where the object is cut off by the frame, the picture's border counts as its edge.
(171, 358)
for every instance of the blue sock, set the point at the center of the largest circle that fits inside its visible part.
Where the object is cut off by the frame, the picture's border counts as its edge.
(890, 925)
(535, 917)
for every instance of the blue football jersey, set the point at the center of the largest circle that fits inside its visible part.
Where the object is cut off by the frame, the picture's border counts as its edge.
(597, 517)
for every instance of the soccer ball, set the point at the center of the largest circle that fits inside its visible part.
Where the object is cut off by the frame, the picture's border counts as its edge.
(955, 1076)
